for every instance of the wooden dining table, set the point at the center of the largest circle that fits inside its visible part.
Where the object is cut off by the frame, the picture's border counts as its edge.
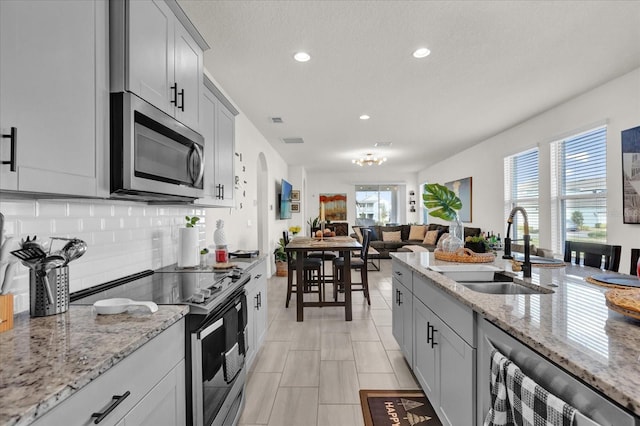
(301, 246)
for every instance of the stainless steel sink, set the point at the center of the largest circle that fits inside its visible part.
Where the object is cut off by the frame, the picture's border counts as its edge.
(493, 287)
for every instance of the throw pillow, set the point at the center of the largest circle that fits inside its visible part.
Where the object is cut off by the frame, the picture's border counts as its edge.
(431, 237)
(391, 236)
(356, 229)
(417, 232)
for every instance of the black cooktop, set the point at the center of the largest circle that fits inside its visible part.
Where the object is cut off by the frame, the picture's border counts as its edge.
(202, 290)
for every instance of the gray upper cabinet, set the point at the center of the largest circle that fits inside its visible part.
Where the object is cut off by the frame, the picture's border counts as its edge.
(55, 96)
(218, 128)
(164, 62)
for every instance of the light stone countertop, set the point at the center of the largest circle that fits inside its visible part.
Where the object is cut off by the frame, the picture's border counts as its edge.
(571, 326)
(45, 360)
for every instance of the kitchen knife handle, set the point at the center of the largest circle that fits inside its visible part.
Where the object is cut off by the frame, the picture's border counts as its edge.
(116, 400)
(174, 99)
(13, 137)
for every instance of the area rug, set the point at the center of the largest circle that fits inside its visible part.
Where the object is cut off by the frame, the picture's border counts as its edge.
(397, 408)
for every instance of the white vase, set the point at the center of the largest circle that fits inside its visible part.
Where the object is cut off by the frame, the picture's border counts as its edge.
(188, 248)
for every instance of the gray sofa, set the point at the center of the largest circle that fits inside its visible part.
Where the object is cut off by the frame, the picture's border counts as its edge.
(386, 247)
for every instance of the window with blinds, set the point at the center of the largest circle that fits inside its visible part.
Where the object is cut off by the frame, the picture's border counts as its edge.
(579, 188)
(521, 189)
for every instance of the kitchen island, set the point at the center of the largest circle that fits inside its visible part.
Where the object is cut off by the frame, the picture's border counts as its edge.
(46, 360)
(568, 323)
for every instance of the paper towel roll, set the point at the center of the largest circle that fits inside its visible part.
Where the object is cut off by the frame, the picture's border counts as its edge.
(188, 248)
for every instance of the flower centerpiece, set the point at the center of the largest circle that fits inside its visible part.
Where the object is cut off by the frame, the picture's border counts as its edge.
(444, 204)
(295, 229)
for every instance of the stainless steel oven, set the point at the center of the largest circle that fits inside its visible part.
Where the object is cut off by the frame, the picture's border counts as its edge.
(215, 342)
(153, 156)
(218, 349)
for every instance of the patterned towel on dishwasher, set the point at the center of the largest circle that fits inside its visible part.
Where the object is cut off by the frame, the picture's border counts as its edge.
(526, 403)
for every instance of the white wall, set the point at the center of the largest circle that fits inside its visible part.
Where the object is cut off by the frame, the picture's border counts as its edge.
(318, 183)
(616, 102)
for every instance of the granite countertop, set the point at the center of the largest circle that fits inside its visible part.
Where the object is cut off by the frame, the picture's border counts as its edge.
(45, 360)
(571, 326)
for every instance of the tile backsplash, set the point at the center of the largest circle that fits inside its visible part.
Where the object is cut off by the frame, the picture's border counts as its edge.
(122, 237)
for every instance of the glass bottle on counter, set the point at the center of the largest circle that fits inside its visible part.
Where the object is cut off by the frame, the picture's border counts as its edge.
(220, 239)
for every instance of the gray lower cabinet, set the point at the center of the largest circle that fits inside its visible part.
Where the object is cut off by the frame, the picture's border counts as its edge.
(402, 318)
(150, 383)
(444, 366)
(437, 337)
(256, 292)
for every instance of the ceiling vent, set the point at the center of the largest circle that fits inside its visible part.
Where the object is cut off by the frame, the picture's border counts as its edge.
(277, 120)
(382, 144)
(292, 140)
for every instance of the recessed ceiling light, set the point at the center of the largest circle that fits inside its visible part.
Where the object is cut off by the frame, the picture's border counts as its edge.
(422, 52)
(364, 117)
(302, 57)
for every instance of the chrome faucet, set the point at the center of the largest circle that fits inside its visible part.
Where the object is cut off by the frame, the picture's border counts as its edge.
(526, 265)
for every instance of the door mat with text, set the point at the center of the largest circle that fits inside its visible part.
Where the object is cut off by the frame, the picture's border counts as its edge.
(397, 408)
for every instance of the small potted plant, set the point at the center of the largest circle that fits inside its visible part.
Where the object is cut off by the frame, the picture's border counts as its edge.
(281, 259)
(477, 244)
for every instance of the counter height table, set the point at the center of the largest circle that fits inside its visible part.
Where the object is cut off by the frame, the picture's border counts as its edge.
(301, 246)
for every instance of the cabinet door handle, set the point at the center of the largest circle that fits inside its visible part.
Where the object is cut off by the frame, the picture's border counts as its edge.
(257, 303)
(222, 191)
(181, 94)
(398, 273)
(431, 338)
(174, 99)
(257, 277)
(219, 192)
(116, 400)
(13, 138)
(259, 300)
(399, 297)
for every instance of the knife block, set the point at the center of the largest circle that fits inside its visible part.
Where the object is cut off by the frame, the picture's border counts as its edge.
(6, 312)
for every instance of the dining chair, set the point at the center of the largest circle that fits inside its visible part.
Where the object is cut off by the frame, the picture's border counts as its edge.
(593, 254)
(359, 263)
(635, 254)
(311, 274)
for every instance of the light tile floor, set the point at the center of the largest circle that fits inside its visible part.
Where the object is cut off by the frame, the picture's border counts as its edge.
(309, 373)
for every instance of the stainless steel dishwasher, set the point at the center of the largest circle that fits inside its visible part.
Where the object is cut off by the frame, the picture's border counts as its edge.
(594, 408)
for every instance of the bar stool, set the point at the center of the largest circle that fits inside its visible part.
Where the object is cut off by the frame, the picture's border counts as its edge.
(358, 263)
(593, 254)
(635, 254)
(311, 267)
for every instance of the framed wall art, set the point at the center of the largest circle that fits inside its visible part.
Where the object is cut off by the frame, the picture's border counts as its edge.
(295, 207)
(463, 189)
(335, 206)
(631, 175)
(295, 195)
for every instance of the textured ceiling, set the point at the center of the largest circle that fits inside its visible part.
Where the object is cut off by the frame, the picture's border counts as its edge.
(493, 65)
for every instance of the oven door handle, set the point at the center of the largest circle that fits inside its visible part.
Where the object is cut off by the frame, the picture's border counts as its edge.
(213, 327)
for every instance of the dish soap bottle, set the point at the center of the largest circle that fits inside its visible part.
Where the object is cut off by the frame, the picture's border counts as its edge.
(220, 240)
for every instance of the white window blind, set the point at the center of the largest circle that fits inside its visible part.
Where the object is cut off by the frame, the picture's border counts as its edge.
(579, 188)
(521, 189)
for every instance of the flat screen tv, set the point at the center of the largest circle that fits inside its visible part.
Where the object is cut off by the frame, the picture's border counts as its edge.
(285, 200)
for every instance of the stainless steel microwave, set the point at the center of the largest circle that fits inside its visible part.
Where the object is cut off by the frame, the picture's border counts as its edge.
(154, 157)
